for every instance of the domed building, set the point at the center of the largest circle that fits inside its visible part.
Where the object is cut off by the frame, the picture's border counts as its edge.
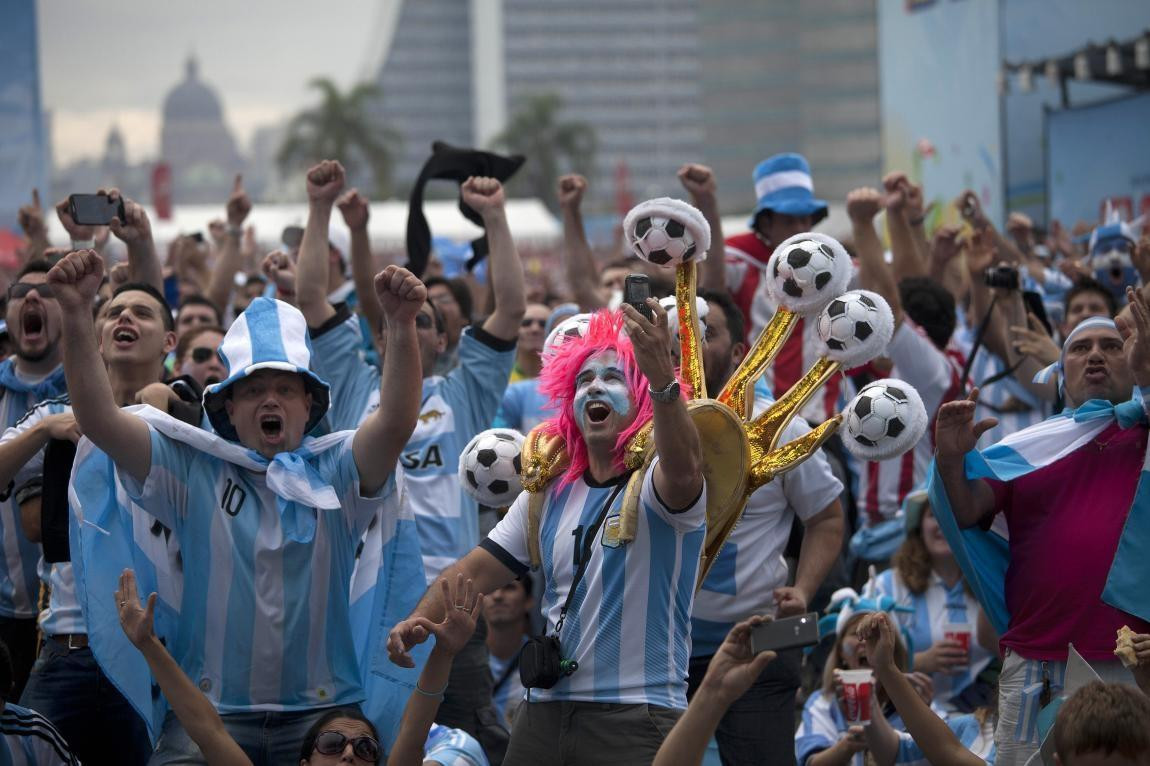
(196, 143)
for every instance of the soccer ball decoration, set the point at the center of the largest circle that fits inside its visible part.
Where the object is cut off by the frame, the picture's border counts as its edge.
(806, 271)
(667, 232)
(856, 327)
(886, 419)
(671, 306)
(571, 327)
(489, 467)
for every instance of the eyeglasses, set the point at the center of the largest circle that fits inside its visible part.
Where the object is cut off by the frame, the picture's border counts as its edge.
(21, 289)
(333, 743)
(201, 354)
(424, 322)
(528, 322)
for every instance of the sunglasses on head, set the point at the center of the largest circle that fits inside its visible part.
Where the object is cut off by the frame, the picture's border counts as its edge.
(528, 322)
(201, 354)
(21, 289)
(333, 743)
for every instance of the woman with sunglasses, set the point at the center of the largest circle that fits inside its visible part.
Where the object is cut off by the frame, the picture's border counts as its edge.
(343, 736)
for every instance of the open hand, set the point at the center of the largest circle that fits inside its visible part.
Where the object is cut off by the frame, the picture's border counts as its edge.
(353, 207)
(483, 195)
(955, 432)
(1033, 340)
(76, 278)
(651, 340)
(239, 203)
(735, 666)
(137, 620)
(876, 633)
(325, 181)
(1135, 332)
(401, 294)
(571, 190)
(462, 608)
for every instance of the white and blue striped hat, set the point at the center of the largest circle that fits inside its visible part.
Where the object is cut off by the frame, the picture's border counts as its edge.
(783, 185)
(1047, 373)
(269, 335)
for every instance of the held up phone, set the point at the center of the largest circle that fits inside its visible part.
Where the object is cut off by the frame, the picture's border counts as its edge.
(636, 291)
(1005, 277)
(787, 633)
(94, 209)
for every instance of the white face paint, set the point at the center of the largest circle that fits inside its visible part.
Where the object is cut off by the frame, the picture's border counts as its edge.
(601, 390)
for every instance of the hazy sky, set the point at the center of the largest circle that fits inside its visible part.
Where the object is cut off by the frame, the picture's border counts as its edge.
(113, 61)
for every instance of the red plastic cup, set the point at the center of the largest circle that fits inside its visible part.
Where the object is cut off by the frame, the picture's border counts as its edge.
(959, 633)
(857, 687)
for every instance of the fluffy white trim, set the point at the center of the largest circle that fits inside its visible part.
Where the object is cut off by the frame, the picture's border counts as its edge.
(889, 447)
(859, 352)
(811, 304)
(666, 207)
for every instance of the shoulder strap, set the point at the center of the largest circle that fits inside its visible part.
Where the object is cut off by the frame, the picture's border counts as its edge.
(585, 554)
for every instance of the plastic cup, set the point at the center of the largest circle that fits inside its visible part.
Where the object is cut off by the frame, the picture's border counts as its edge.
(960, 632)
(857, 687)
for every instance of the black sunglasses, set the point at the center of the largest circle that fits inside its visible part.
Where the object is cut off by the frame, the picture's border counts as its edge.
(20, 289)
(333, 743)
(528, 322)
(201, 354)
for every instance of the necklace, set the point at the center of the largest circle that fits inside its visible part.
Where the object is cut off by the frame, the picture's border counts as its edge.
(1103, 445)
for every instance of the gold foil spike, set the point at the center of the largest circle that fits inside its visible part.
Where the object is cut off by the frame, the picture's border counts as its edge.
(786, 457)
(543, 458)
(690, 349)
(755, 363)
(639, 447)
(763, 432)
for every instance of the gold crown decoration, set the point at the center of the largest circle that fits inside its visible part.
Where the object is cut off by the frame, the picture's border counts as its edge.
(806, 276)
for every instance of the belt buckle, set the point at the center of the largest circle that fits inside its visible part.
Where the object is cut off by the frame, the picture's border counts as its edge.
(74, 646)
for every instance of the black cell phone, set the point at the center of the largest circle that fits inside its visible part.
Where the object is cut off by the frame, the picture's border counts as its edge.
(787, 633)
(198, 236)
(95, 209)
(636, 291)
(1005, 277)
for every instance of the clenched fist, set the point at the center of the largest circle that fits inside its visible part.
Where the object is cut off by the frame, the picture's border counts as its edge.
(325, 181)
(863, 205)
(571, 190)
(699, 181)
(401, 295)
(353, 207)
(483, 195)
(76, 278)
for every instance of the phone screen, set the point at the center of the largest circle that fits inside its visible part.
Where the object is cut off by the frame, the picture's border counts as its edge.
(636, 291)
(94, 209)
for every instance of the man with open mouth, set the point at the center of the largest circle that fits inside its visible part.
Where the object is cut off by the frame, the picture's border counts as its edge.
(268, 519)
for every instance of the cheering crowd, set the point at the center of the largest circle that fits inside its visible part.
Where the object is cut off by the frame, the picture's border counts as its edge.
(234, 529)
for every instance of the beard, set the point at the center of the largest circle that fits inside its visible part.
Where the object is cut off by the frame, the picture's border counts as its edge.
(38, 356)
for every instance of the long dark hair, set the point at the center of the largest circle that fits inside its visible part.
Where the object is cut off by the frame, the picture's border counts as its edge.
(354, 713)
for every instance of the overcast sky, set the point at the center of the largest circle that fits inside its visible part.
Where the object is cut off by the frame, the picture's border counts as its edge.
(113, 61)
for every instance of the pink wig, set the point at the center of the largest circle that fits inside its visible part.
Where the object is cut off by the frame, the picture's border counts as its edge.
(557, 383)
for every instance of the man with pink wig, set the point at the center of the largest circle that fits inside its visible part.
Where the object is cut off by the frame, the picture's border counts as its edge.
(619, 609)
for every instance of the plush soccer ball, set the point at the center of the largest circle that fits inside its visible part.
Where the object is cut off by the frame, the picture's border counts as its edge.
(886, 419)
(571, 327)
(806, 271)
(671, 306)
(489, 467)
(856, 326)
(667, 232)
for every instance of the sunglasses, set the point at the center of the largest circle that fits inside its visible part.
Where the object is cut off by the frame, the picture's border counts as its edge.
(333, 743)
(21, 289)
(529, 322)
(202, 354)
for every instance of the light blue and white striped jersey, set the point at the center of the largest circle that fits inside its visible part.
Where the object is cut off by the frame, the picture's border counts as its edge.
(523, 407)
(629, 623)
(508, 691)
(1007, 400)
(750, 564)
(29, 739)
(454, 408)
(937, 610)
(19, 581)
(452, 747)
(823, 724)
(264, 614)
(975, 737)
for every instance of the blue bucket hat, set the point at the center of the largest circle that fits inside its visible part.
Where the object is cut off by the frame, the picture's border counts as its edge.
(783, 185)
(269, 335)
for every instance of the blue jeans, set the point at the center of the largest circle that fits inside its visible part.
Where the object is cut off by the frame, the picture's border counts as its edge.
(763, 719)
(68, 688)
(269, 739)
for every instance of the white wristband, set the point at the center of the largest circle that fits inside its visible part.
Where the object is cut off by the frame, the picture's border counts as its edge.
(83, 244)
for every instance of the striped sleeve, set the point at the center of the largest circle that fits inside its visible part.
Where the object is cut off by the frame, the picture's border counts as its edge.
(32, 736)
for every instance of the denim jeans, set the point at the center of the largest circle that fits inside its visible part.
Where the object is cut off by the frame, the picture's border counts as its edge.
(68, 688)
(21, 637)
(269, 739)
(763, 719)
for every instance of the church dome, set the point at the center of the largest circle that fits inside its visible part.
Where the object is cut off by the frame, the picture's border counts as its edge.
(192, 100)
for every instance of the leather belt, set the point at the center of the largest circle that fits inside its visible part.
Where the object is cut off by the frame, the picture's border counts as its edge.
(72, 641)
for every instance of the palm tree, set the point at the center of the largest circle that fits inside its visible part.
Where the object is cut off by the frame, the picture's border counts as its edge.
(342, 126)
(552, 147)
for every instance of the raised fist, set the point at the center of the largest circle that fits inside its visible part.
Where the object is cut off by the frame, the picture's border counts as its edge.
(400, 293)
(571, 189)
(698, 180)
(483, 195)
(280, 271)
(239, 203)
(76, 278)
(863, 204)
(325, 181)
(353, 207)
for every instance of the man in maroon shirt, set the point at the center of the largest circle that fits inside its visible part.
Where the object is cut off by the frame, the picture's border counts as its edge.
(1064, 522)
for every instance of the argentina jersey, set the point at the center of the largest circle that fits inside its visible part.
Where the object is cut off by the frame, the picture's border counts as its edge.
(264, 614)
(452, 747)
(630, 620)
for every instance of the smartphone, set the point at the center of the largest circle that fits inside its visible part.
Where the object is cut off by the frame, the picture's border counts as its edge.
(636, 291)
(787, 633)
(95, 209)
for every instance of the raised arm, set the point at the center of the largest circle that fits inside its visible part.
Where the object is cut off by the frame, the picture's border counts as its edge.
(82, 236)
(191, 707)
(75, 280)
(223, 279)
(31, 218)
(956, 434)
(382, 436)
(679, 472)
(862, 206)
(354, 209)
(699, 181)
(582, 272)
(947, 264)
(903, 204)
(505, 271)
(135, 231)
(324, 183)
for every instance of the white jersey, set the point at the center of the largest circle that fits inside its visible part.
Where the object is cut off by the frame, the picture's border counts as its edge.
(629, 622)
(883, 485)
(264, 614)
(1006, 399)
(750, 564)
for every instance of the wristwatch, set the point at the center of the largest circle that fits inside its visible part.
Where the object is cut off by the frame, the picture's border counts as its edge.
(665, 395)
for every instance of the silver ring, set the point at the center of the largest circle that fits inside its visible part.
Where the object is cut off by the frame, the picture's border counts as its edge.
(123, 603)
(462, 608)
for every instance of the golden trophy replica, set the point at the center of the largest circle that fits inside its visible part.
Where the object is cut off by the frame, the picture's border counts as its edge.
(806, 276)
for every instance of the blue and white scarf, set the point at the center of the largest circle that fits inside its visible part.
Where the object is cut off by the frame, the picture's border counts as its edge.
(984, 555)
